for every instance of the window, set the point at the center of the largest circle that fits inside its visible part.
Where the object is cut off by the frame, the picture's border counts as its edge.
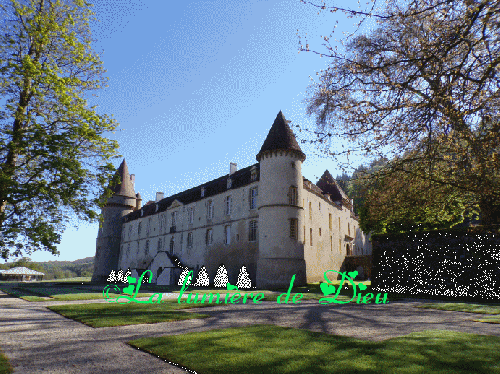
(130, 232)
(159, 246)
(310, 210)
(227, 234)
(330, 221)
(203, 192)
(210, 209)
(340, 245)
(191, 215)
(174, 218)
(228, 205)
(319, 206)
(190, 240)
(161, 224)
(320, 232)
(237, 238)
(253, 198)
(331, 243)
(229, 183)
(293, 228)
(209, 237)
(148, 227)
(348, 229)
(293, 165)
(311, 236)
(172, 243)
(252, 235)
(146, 251)
(253, 175)
(139, 229)
(292, 195)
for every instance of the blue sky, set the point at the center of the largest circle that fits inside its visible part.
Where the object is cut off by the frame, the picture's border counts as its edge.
(196, 85)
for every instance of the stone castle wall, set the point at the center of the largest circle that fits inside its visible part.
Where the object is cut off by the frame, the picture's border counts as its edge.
(456, 262)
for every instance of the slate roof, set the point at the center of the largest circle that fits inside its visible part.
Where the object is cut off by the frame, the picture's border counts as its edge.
(125, 188)
(21, 270)
(239, 179)
(327, 184)
(280, 137)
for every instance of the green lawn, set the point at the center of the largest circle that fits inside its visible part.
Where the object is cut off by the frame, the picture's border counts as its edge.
(5, 367)
(492, 309)
(113, 314)
(56, 292)
(272, 349)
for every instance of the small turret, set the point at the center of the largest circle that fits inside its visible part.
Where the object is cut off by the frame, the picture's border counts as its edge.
(281, 248)
(108, 240)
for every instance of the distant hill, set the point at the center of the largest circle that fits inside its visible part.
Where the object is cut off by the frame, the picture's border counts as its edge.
(86, 260)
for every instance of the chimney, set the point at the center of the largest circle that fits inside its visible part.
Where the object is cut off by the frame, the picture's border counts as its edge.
(159, 196)
(232, 168)
(138, 201)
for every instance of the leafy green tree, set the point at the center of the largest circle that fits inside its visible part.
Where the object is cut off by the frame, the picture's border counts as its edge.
(423, 82)
(54, 158)
(397, 202)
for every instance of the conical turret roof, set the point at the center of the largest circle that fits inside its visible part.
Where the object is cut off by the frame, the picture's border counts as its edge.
(328, 185)
(125, 188)
(280, 137)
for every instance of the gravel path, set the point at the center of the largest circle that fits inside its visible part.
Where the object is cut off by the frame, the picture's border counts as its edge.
(37, 340)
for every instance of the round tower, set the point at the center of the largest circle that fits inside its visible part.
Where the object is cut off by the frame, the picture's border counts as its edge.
(281, 217)
(109, 237)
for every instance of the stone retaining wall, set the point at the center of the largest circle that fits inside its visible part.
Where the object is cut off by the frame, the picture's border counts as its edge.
(456, 262)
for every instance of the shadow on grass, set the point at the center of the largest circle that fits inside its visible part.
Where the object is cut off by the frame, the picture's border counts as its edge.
(113, 314)
(273, 349)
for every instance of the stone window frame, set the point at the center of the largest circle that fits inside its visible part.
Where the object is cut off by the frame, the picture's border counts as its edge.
(190, 240)
(228, 205)
(191, 214)
(209, 237)
(293, 195)
(252, 231)
(253, 197)
(210, 209)
(227, 234)
(294, 225)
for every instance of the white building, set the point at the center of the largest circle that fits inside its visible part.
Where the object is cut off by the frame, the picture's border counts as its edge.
(266, 217)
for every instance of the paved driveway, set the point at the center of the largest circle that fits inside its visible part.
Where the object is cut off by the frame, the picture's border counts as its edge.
(37, 340)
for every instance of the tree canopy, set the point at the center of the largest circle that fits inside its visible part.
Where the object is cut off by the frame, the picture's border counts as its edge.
(422, 87)
(54, 158)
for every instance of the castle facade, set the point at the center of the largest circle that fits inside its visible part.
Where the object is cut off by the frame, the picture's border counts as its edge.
(266, 217)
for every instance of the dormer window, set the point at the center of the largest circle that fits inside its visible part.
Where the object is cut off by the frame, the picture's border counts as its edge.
(229, 183)
(203, 192)
(253, 175)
